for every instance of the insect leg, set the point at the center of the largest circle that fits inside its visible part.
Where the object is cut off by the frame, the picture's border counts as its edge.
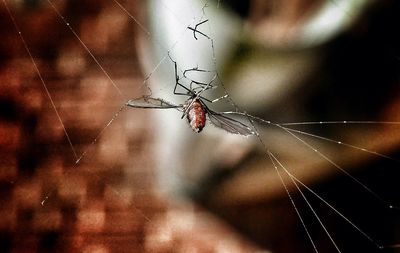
(189, 91)
(197, 31)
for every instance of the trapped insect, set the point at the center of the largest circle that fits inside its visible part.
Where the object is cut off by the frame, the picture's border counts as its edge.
(194, 109)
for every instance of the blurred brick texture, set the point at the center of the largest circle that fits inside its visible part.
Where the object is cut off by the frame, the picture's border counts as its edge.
(106, 202)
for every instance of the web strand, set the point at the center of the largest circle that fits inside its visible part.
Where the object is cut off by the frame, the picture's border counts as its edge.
(296, 181)
(87, 49)
(307, 202)
(18, 30)
(341, 122)
(272, 159)
(330, 161)
(341, 143)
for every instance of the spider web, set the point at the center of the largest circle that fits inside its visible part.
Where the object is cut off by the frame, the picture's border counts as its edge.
(308, 139)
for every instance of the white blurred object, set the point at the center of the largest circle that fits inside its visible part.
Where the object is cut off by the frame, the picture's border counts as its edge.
(288, 54)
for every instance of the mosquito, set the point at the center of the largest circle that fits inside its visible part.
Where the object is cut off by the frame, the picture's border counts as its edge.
(194, 109)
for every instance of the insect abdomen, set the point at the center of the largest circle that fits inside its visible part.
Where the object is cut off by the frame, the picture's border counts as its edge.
(196, 116)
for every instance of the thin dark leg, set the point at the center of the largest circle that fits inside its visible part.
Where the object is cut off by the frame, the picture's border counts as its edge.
(177, 80)
(197, 31)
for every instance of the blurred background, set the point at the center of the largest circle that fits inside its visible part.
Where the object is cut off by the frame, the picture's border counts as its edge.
(146, 182)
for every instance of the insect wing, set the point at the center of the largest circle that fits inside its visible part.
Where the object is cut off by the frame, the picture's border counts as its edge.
(229, 124)
(149, 102)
